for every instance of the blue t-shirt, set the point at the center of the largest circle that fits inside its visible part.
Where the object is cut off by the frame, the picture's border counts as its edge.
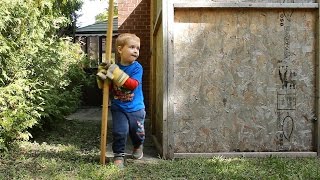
(134, 99)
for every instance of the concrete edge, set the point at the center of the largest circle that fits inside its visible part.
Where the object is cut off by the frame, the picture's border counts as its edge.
(247, 154)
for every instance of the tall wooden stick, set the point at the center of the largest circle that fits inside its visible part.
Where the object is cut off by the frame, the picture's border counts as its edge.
(317, 84)
(105, 100)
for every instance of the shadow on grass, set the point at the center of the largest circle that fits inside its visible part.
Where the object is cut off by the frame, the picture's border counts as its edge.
(230, 168)
(83, 134)
(45, 161)
(70, 150)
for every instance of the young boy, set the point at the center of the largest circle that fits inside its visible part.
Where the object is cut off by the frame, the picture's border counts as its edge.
(127, 105)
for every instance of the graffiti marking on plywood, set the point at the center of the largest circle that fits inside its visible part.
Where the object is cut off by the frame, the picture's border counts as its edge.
(288, 77)
(287, 125)
(287, 14)
(286, 101)
(286, 93)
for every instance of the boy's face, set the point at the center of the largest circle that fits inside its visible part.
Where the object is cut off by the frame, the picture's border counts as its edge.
(129, 52)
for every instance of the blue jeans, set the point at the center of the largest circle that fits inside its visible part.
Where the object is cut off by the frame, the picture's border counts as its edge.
(124, 123)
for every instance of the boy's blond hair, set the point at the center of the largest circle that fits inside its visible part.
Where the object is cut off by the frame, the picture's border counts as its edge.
(122, 39)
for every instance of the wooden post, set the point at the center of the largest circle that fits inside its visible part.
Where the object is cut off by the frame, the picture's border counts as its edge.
(317, 84)
(105, 100)
(167, 25)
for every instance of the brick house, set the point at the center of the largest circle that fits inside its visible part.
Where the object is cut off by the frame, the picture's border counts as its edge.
(93, 38)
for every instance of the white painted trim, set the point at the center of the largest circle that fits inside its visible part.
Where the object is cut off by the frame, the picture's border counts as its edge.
(246, 5)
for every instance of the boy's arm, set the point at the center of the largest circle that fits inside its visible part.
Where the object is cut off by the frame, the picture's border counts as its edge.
(119, 77)
(131, 84)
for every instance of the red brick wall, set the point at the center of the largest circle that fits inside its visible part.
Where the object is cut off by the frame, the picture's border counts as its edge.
(134, 17)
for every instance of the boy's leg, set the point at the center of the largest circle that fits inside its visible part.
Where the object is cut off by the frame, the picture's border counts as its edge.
(137, 131)
(120, 132)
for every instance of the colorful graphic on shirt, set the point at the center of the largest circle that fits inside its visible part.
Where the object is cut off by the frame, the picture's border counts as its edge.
(122, 93)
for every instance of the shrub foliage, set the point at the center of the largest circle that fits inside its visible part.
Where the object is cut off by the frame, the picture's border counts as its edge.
(40, 72)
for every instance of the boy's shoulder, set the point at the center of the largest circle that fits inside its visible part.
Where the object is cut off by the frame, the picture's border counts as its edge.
(136, 64)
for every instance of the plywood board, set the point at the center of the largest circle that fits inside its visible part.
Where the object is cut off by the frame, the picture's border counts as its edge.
(243, 80)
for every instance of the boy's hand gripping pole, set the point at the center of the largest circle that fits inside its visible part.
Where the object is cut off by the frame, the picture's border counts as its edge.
(105, 100)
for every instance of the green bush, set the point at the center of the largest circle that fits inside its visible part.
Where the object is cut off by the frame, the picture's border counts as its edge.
(41, 74)
(20, 104)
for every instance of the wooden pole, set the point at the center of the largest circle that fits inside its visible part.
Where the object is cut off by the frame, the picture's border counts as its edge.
(317, 84)
(105, 100)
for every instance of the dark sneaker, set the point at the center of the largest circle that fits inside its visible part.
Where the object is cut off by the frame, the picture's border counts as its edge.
(119, 162)
(137, 153)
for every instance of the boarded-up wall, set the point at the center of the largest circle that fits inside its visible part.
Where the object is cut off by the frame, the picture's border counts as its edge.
(244, 80)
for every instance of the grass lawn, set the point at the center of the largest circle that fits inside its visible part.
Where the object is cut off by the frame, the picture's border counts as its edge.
(71, 151)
